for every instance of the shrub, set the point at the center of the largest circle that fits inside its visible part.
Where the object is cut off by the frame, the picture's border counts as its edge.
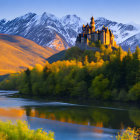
(20, 131)
(129, 134)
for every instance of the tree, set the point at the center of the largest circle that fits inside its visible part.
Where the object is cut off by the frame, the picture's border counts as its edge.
(26, 85)
(79, 90)
(99, 88)
(134, 92)
(97, 56)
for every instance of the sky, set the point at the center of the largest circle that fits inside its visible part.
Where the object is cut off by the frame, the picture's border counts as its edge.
(125, 11)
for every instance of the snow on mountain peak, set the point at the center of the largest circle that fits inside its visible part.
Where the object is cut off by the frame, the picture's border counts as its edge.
(46, 15)
(101, 19)
(45, 28)
(72, 19)
(28, 15)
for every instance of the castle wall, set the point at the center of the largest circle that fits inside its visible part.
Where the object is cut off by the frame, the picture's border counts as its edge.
(82, 40)
(107, 38)
(112, 41)
(102, 37)
(89, 37)
(86, 47)
(96, 37)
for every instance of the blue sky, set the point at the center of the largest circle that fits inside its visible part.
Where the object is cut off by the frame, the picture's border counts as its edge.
(125, 11)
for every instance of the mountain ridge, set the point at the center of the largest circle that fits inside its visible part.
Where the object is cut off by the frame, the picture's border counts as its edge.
(60, 33)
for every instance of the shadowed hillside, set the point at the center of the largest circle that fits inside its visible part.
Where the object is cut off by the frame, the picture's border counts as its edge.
(18, 53)
(57, 56)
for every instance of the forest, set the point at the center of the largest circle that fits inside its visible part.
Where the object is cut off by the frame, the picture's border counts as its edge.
(109, 74)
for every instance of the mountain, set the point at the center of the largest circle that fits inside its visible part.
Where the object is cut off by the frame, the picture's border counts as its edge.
(131, 42)
(126, 35)
(60, 33)
(18, 53)
(45, 30)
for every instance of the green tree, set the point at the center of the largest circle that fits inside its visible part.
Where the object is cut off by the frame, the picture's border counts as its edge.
(99, 88)
(134, 92)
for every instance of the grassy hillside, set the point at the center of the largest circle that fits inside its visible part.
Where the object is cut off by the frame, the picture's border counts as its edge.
(18, 53)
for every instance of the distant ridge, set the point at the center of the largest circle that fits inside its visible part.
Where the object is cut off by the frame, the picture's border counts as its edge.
(18, 53)
(60, 33)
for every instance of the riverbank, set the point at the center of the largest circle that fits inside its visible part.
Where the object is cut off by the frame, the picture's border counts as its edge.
(89, 103)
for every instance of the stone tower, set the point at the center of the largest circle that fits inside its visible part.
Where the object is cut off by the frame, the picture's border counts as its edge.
(89, 35)
(92, 24)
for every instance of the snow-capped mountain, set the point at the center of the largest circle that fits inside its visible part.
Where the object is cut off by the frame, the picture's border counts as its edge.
(61, 33)
(45, 30)
(126, 35)
(131, 42)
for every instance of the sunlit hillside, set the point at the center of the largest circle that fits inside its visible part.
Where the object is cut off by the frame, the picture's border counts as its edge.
(18, 53)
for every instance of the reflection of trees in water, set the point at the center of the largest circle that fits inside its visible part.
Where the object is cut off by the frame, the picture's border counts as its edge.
(12, 112)
(135, 117)
(99, 117)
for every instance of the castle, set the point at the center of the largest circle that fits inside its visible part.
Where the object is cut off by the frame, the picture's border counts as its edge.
(89, 35)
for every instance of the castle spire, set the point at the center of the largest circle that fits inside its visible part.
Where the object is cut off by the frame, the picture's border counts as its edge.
(92, 24)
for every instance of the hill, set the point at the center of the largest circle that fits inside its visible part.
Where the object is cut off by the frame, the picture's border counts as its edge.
(58, 56)
(18, 53)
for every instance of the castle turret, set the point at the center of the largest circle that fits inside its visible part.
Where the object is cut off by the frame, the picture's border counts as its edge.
(105, 36)
(92, 24)
(112, 39)
(83, 28)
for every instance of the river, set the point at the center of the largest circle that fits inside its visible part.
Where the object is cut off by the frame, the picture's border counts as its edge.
(70, 121)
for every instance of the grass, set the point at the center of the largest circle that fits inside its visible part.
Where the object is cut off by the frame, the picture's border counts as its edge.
(21, 131)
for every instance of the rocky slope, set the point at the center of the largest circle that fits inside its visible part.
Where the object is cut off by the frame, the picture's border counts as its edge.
(18, 53)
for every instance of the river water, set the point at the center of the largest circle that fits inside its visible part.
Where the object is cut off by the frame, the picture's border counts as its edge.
(70, 121)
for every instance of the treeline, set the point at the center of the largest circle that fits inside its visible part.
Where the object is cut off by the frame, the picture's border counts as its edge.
(108, 74)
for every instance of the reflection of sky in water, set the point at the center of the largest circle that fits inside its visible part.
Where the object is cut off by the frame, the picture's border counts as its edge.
(18, 102)
(68, 121)
(65, 131)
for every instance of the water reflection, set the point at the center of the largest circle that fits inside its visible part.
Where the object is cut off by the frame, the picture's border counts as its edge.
(12, 112)
(99, 117)
(77, 115)
(70, 121)
(89, 116)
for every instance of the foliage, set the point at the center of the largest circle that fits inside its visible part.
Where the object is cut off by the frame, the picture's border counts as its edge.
(129, 134)
(134, 92)
(99, 88)
(20, 131)
(108, 74)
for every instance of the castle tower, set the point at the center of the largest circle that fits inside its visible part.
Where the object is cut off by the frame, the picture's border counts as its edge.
(89, 35)
(112, 39)
(83, 28)
(102, 36)
(92, 24)
(107, 36)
